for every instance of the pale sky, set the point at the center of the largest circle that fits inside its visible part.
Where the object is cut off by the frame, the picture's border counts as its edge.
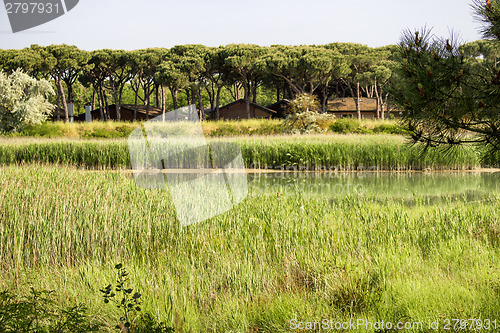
(134, 24)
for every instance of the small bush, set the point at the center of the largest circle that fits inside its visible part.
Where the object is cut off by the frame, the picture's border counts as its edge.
(23, 101)
(37, 312)
(46, 129)
(307, 122)
(125, 130)
(100, 133)
(226, 130)
(269, 128)
(346, 126)
(390, 129)
(303, 103)
(353, 292)
(129, 303)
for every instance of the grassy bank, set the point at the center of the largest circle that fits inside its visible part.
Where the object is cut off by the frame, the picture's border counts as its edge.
(311, 152)
(112, 129)
(255, 267)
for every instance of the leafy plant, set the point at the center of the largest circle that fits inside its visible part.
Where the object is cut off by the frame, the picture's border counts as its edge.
(345, 126)
(303, 103)
(23, 100)
(37, 312)
(307, 122)
(390, 129)
(129, 304)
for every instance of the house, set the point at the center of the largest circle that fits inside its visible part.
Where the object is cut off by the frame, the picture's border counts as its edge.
(280, 108)
(237, 110)
(126, 113)
(346, 107)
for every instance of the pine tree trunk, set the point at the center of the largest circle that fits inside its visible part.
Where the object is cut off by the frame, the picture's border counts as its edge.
(200, 104)
(174, 101)
(69, 86)
(247, 100)
(117, 103)
(377, 97)
(385, 105)
(324, 101)
(254, 93)
(163, 102)
(358, 105)
(106, 105)
(174, 98)
(58, 109)
(63, 100)
(157, 98)
(135, 108)
(188, 97)
(147, 102)
(101, 103)
(217, 103)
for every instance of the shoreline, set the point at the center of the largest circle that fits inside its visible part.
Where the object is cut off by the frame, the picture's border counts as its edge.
(271, 171)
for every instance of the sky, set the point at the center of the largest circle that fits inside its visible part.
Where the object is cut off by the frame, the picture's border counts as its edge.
(134, 24)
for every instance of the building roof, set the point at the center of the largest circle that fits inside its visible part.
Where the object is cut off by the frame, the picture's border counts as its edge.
(347, 105)
(257, 106)
(141, 111)
(279, 103)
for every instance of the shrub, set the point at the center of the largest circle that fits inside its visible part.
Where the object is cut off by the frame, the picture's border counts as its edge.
(125, 130)
(37, 312)
(47, 130)
(346, 126)
(303, 116)
(303, 103)
(101, 133)
(390, 129)
(23, 101)
(129, 303)
(226, 130)
(307, 122)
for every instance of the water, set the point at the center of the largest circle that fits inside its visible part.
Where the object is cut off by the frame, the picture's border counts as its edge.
(427, 187)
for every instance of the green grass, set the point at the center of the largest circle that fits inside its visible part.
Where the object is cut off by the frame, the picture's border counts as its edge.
(116, 130)
(267, 261)
(311, 152)
(113, 129)
(351, 152)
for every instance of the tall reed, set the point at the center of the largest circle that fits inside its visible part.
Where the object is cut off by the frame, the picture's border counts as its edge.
(332, 152)
(271, 259)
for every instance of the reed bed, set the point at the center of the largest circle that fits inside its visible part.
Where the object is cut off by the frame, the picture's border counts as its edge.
(267, 261)
(311, 152)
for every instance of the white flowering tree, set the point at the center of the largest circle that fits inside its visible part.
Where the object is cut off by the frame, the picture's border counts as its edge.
(303, 115)
(23, 100)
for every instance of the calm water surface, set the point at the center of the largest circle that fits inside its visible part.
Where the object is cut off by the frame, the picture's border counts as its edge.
(436, 185)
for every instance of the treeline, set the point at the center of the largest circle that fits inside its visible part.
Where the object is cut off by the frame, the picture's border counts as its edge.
(197, 74)
(201, 74)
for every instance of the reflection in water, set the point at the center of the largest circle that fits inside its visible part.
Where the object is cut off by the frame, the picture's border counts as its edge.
(427, 188)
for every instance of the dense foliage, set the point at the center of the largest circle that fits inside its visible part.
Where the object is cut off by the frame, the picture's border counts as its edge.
(451, 92)
(23, 100)
(206, 76)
